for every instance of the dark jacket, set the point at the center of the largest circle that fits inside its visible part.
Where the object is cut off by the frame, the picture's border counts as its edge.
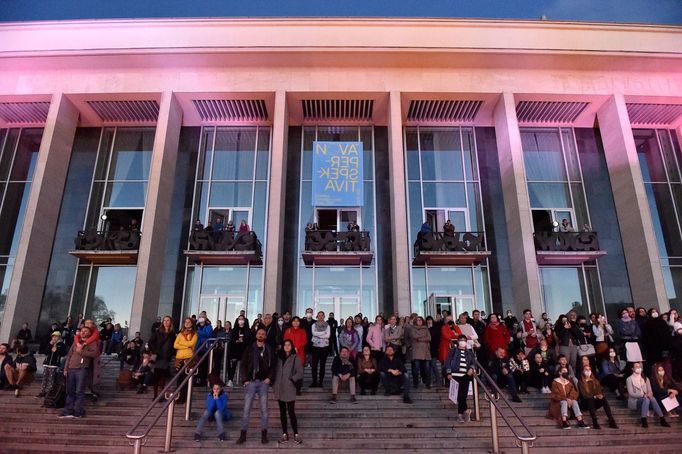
(434, 331)
(26, 359)
(54, 358)
(272, 333)
(237, 348)
(333, 327)
(161, 345)
(564, 335)
(264, 367)
(496, 365)
(341, 368)
(82, 359)
(655, 338)
(385, 364)
(452, 363)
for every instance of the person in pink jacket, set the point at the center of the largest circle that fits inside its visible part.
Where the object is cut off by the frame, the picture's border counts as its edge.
(375, 337)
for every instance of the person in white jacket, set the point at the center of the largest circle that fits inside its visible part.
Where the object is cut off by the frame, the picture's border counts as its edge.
(320, 349)
(468, 331)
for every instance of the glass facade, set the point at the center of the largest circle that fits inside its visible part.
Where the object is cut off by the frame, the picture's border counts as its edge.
(443, 183)
(346, 289)
(232, 175)
(18, 155)
(659, 155)
(556, 193)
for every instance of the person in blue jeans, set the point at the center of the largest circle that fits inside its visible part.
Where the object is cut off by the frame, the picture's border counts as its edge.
(258, 373)
(216, 408)
(79, 361)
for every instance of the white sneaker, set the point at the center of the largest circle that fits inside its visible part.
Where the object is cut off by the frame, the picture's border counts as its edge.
(546, 390)
(230, 384)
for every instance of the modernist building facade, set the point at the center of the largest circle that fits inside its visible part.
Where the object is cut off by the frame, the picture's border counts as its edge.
(128, 146)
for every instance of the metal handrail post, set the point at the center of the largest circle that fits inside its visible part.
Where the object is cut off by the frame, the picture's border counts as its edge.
(477, 401)
(188, 402)
(524, 447)
(137, 446)
(493, 429)
(210, 361)
(224, 374)
(169, 427)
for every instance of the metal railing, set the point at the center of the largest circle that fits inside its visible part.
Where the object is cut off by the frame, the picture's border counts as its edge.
(171, 393)
(525, 442)
(566, 241)
(109, 240)
(224, 240)
(449, 242)
(333, 241)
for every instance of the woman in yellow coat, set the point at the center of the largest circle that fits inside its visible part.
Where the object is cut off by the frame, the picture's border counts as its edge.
(184, 350)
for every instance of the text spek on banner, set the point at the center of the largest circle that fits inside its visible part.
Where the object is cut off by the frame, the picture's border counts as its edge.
(337, 174)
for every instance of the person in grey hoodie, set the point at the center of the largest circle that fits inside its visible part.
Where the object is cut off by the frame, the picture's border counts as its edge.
(289, 371)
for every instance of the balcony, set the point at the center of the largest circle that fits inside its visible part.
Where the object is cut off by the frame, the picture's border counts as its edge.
(328, 247)
(117, 247)
(449, 249)
(210, 247)
(566, 248)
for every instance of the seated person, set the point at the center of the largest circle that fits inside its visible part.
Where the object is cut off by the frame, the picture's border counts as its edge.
(663, 386)
(343, 370)
(393, 375)
(641, 397)
(540, 375)
(520, 368)
(6, 368)
(592, 397)
(611, 375)
(216, 409)
(563, 362)
(547, 353)
(564, 397)
(143, 375)
(499, 370)
(368, 372)
(24, 368)
(53, 360)
(130, 355)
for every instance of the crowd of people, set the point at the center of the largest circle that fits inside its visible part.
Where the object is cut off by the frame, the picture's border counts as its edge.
(573, 361)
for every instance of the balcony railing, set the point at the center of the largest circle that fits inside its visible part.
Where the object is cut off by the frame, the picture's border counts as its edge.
(446, 248)
(329, 247)
(567, 247)
(107, 247)
(223, 247)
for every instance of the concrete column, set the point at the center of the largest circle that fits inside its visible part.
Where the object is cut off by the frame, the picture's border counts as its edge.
(632, 207)
(274, 248)
(524, 265)
(400, 237)
(156, 213)
(40, 222)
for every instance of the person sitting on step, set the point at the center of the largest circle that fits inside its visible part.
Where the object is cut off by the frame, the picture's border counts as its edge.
(368, 372)
(520, 368)
(6, 368)
(663, 386)
(592, 397)
(393, 375)
(641, 396)
(564, 397)
(500, 370)
(540, 376)
(143, 375)
(343, 370)
(24, 368)
(216, 410)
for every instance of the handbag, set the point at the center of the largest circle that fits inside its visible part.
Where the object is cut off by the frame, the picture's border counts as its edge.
(586, 350)
(633, 353)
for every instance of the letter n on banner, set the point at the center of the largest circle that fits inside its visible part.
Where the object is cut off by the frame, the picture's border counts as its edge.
(337, 174)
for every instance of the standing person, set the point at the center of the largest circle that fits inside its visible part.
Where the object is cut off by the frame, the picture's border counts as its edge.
(569, 335)
(362, 333)
(241, 338)
(420, 353)
(641, 396)
(258, 372)
(434, 331)
(273, 335)
(94, 373)
(161, 346)
(375, 338)
(204, 331)
(603, 336)
(333, 330)
(299, 338)
(459, 366)
(655, 338)
(393, 335)
(216, 407)
(56, 351)
(368, 372)
(306, 325)
(184, 345)
(349, 338)
(531, 334)
(343, 369)
(289, 372)
(510, 321)
(78, 361)
(321, 333)
(630, 333)
(449, 333)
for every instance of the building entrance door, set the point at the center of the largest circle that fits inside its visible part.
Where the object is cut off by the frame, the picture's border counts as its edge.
(343, 306)
(222, 307)
(453, 304)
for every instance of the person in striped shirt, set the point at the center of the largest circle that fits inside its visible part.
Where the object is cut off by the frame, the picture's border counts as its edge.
(459, 366)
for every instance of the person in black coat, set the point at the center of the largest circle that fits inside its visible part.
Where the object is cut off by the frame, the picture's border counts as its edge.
(161, 348)
(333, 330)
(394, 375)
(241, 338)
(655, 338)
(434, 331)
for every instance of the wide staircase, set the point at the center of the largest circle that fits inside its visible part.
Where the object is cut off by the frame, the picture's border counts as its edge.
(375, 423)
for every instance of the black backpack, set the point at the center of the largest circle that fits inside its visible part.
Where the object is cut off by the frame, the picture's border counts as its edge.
(56, 397)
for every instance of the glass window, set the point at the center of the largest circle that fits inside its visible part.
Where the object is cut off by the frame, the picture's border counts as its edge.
(8, 153)
(470, 164)
(113, 294)
(649, 156)
(444, 195)
(549, 195)
(126, 195)
(27, 155)
(441, 154)
(263, 154)
(450, 281)
(234, 154)
(563, 289)
(224, 280)
(542, 156)
(132, 154)
(231, 194)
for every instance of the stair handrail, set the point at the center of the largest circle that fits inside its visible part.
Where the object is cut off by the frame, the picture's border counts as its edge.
(170, 398)
(524, 441)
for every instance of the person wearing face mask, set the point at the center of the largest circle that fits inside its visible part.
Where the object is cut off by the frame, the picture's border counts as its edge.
(510, 321)
(204, 331)
(568, 334)
(611, 374)
(630, 334)
(280, 329)
(641, 397)
(241, 338)
(307, 325)
(663, 386)
(655, 338)
(564, 397)
(320, 349)
(459, 366)
(676, 354)
(674, 321)
(603, 336)
(333, 330)
(592, 398)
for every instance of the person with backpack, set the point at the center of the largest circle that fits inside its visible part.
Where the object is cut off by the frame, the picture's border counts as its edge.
(52, 363)
(216, 409)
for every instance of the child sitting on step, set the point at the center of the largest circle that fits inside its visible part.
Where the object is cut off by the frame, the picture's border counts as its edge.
(216, 408)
